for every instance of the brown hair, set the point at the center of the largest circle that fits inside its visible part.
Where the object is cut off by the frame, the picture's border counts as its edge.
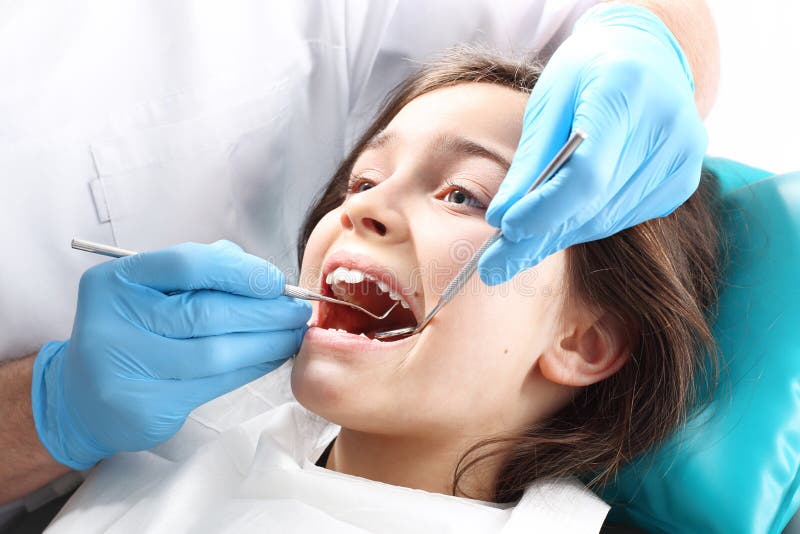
(659, 278)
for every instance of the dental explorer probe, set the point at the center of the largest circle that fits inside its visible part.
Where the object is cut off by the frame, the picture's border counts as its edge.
(288, 290)
(577, 137)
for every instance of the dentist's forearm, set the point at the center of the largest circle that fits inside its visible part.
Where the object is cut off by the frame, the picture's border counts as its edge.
(26, 465)
(691, 23)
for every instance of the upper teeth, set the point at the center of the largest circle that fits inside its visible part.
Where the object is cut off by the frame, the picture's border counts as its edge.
(354, 276)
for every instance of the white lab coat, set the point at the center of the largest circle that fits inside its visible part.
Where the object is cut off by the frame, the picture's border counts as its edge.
(145, 123)
(246, 463)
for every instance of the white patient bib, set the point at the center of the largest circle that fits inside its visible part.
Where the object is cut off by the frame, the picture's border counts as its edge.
(246, 462)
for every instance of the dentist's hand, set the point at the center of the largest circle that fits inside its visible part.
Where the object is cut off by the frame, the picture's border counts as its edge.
(156, 335)
(623, 79)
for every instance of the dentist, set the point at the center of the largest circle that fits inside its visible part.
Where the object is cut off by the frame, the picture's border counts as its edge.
(145, 125)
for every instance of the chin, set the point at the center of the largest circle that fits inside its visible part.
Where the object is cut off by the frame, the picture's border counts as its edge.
(337, 393)
(320, 385)
(309, 386)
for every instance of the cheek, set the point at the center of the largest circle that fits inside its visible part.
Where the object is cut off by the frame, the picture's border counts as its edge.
(319, 242)
(488, 319)
(486, 341)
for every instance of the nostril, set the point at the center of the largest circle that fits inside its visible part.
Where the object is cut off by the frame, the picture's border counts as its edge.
(346, 222)
(376, 226)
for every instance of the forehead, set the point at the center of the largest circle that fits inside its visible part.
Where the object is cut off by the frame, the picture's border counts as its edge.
(485, 111)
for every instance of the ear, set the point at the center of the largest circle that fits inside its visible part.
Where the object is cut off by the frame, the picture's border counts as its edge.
(589, 350)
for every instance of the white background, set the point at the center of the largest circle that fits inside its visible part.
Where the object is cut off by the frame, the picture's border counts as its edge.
(756, 118)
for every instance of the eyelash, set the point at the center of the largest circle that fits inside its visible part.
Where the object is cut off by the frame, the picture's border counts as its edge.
(355, 181)
(449, 186)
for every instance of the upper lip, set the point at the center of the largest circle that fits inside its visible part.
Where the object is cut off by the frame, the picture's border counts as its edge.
(367, 265)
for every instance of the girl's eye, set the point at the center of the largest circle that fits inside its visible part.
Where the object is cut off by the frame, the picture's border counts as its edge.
(363, 186)
(463, 197)
(359, 185)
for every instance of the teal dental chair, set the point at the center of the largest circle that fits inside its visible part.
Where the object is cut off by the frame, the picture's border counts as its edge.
(736, 467)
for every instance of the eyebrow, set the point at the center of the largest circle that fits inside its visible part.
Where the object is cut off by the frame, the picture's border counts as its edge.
(445, 143)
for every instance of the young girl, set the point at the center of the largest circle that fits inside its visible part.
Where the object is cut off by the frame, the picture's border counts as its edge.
(481, 422)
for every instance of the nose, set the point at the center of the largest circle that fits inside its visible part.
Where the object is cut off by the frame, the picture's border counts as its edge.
(371, 216)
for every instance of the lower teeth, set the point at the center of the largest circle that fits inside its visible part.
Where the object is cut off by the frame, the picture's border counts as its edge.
(343, 331)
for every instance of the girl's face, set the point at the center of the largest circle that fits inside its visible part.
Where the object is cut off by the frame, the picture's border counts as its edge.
(414, 212)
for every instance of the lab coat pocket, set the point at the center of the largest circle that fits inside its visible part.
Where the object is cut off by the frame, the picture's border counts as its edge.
(180, 176)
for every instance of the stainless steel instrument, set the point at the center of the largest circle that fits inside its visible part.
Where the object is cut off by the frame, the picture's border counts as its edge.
(289, 290)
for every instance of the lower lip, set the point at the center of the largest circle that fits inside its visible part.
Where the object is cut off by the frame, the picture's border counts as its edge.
(324, 338)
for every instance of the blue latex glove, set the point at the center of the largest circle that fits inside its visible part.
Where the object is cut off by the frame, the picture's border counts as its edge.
(156, 335)
(623, 79)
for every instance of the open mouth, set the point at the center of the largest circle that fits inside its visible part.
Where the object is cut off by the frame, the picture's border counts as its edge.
(371, 290)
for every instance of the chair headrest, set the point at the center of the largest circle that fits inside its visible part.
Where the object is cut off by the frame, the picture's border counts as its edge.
(735, 467)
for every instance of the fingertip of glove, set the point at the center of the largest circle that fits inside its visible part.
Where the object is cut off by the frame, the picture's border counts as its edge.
(304, 309)
(300, 333)
(510, 230)
(298, 309)
(266, 281)
(491, 268)
(493, 277)
(227, 245)
(494, 213)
